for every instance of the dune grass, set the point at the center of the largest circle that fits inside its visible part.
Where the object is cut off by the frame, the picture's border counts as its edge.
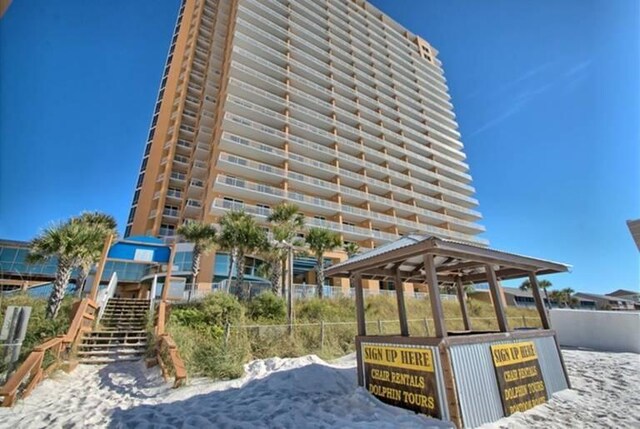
(217, 335)
(39, 328)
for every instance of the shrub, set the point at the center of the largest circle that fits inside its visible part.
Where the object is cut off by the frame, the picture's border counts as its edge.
(217, 309)
(39, 329)
(267, 306)
(316, 309)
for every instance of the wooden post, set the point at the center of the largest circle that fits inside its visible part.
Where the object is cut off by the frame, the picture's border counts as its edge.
(497, 299)
(167, 278)
(463, 304)
(357, 281)
(379, 326)
(100, 268)
(542, 311)
(434, 296)
(290, 307)
(321, 334)
(402, 309)
(227, 332)
(426, 326)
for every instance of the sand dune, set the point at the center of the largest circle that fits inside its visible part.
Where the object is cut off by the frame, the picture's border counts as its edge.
(301, 393)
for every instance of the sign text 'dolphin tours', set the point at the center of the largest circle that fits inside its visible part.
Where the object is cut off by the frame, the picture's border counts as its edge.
(402, 376)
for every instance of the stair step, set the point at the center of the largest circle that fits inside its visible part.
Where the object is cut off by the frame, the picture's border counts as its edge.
(104, 360)
(112, 346)
(123, 351)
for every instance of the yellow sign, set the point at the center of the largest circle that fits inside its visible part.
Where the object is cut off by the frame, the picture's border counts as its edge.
(402, 376)
(399, 357)
(511, 354)
(519, 377)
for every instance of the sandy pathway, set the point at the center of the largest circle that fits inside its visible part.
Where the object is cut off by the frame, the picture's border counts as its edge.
(301, 393)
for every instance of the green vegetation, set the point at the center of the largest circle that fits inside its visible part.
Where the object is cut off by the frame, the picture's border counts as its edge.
(203, 237)
(241, 235)
(286, 221)
(39, 329)
(216, 336)
(75, 243)
(321, 241)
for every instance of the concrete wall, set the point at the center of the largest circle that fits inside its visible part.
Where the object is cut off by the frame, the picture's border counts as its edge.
(616, 331)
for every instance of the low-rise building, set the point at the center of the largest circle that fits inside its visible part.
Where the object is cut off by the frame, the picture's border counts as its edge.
(626, 294)
(608, 302)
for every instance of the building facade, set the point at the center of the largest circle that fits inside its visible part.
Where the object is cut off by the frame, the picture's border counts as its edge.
(329, 105)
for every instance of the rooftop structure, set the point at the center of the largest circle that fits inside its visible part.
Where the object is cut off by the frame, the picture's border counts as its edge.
(634, 229)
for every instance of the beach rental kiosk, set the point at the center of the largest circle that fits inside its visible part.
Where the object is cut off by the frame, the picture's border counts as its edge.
(470, 376)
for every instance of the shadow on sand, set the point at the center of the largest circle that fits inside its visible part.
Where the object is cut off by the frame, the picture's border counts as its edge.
(283, 399)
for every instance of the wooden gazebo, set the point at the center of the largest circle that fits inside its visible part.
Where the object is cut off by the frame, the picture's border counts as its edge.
(459, 373)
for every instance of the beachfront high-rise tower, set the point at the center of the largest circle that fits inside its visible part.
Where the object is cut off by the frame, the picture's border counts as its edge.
(328, 104)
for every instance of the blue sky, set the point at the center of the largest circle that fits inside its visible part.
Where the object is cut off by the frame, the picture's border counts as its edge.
(546, 93)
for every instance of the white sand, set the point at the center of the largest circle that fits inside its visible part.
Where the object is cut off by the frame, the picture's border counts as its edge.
(605, 394)
(301, 393)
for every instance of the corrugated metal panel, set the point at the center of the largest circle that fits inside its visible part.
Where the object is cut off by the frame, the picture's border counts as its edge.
(552, 372)
(476, 382)
(442, 391)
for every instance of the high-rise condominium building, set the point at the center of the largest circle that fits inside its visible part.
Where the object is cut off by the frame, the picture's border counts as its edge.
(328, 104)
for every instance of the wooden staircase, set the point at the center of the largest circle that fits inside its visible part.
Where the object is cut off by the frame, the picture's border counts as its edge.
(121, 336)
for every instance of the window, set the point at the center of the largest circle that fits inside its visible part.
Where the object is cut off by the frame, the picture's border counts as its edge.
(233, 200)
(320, 217)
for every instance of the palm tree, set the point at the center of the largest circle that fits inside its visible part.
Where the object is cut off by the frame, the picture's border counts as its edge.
(558, 297)
(242, 236)
(569, 299)
(287, 221)
(106, 225)
(320, 241)
(543, 284)
(272, 267)
(70, 243)
(352, 249)
(203, 237)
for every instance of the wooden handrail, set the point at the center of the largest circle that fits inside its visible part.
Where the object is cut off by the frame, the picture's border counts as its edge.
(164, 340)
(31, 371)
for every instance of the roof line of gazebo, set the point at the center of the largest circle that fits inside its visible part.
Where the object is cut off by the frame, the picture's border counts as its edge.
(470, 258)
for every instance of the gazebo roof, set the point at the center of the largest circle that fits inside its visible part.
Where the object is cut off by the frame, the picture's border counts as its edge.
(453, 259)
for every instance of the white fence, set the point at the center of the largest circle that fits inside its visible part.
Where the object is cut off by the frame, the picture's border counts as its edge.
(616, 331)
(380, 327)
(304, 291)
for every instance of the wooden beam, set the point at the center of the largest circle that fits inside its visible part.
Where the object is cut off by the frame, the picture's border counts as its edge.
(463, 304)
(459, 266)
(542, 311)
(503, 274)
(362, 327)
(498, 305)
(167, 278)
(100, 268)
(483, 258)
(402, 309)
(406, 275)
(434, 295)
